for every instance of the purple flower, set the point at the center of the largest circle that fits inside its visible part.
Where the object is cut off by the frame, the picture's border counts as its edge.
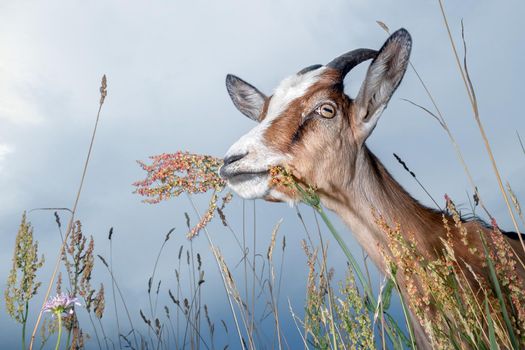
(61, 304)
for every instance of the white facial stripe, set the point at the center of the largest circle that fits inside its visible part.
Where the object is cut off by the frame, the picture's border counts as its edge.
(290, 89)
(260, 157)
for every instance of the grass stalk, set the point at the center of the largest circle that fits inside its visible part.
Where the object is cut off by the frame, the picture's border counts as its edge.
(472, 97)
(521, 143)
(94, 330)
(153, 310)
(24, 324)
(271, 281)
(252, 321)
(406, 314)
(224, 283)
(110, 236)
(103, 93)
(122, 299)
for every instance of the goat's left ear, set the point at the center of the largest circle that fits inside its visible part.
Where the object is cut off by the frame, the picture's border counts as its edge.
(382, 79)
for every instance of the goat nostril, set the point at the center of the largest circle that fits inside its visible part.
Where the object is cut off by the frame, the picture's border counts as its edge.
(232, 159)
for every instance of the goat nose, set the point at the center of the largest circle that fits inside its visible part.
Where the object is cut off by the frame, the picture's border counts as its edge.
(232, 159)
(223, 171)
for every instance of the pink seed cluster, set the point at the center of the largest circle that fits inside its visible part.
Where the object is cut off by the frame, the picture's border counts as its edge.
(171, 174)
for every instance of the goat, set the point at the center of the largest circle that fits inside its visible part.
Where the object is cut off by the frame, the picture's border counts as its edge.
(312, 127)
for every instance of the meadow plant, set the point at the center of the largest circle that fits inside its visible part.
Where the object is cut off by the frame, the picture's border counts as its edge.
(170, 175)
(456, 313)
(334, 321)
(61, 305)
(48, 328)
(78, 258)
(22, 284)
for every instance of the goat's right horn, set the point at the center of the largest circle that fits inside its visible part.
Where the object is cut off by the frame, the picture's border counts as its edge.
(349, 60)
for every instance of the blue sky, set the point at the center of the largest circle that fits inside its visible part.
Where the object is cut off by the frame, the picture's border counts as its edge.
(166, 63)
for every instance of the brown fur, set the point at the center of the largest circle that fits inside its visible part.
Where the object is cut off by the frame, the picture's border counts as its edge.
(280, 134)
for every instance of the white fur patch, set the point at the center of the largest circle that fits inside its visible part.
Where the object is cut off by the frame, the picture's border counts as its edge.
(291, 89)
(282, 197)
(259, 156)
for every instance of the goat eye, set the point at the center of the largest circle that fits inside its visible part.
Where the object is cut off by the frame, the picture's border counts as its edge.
(326, 111)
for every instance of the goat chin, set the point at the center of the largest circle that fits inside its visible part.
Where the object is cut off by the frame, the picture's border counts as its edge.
(279, 197)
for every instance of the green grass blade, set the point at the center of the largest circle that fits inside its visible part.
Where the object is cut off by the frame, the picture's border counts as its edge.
(492, 332)
(387, 294)
(401, 336)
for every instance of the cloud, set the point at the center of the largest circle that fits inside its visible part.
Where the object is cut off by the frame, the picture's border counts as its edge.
(5, 150)
(16, 93)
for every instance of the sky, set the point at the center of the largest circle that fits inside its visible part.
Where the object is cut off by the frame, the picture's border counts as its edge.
(166, 62)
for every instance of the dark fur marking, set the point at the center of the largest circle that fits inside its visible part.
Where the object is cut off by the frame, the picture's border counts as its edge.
(298, 134)
(510, 234)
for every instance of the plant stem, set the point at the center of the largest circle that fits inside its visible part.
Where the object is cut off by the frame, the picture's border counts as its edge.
(59, 330)
(224, 283)
(24, 336)
(123, 303)
(24, 326)
(472, 97)
(407, 316)
(113, 291)
(348, 254)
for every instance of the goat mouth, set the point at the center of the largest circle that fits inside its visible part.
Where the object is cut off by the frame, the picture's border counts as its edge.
(242, 176)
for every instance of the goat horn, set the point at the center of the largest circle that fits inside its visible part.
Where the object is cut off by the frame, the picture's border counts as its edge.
(349, 60)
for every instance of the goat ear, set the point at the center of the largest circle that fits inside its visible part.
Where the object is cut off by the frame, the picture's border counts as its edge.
(248, 100)
(382, 79)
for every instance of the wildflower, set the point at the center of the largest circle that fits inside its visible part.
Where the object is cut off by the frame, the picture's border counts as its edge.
(61, 305)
